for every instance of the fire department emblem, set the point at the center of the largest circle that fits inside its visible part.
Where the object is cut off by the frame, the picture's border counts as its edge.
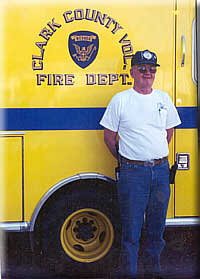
(83, 47)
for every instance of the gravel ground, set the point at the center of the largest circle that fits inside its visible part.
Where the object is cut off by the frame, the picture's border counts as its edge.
(180, 258)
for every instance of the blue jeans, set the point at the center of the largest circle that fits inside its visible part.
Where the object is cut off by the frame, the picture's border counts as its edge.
(143, 190)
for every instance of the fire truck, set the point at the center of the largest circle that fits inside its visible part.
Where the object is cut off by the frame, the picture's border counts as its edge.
(61, 63)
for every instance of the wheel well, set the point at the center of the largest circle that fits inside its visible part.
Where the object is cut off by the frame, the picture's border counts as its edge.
(82, 188)
(57, 229)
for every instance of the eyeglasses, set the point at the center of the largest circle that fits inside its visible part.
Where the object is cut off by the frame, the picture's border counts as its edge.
(143, 69)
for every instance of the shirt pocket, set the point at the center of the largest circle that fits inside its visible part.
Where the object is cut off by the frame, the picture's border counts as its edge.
(159, 117)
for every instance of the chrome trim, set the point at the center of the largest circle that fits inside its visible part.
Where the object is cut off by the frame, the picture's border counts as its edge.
(15, 226)
(194, 52)
(26, 226)
(11, 133)
(61, 184)
(183, 57)
(190, 221)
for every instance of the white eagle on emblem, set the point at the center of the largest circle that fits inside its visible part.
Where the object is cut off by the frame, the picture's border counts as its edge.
(84, 53)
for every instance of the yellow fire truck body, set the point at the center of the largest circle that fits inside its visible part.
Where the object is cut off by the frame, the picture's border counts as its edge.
(61, 63)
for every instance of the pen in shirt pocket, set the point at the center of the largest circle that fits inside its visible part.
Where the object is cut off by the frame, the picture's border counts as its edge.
(161, 107)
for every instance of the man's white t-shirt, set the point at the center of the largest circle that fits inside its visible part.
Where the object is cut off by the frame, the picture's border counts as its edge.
(141, 122)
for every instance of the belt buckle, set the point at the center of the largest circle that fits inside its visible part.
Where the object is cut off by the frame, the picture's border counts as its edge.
(149, 163)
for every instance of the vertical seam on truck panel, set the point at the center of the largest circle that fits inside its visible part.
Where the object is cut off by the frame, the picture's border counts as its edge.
(23, 179)
(175, 88)
(197, 13)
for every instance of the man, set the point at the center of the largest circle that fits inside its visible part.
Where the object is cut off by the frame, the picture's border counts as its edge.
(144, 119)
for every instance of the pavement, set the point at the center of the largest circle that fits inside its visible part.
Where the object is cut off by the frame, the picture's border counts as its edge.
(180, 258)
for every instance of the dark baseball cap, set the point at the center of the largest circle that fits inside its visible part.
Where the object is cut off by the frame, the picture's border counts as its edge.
(144, 57)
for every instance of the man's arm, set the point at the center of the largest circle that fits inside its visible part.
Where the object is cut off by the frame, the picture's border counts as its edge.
(169, 134)
(110, 140)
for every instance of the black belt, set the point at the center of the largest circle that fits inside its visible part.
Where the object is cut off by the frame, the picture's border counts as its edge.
(143, 163)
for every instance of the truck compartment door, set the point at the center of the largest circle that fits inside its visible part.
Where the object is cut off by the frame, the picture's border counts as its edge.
(11, 178)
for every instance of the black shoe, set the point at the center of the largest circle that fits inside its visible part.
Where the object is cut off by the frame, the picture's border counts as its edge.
(151, 276)
(157, 277)
(120, 275)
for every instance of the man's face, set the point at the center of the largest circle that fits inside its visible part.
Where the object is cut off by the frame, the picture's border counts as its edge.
(143, 75)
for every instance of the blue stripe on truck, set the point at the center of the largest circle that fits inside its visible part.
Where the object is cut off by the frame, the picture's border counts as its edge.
(189, 117)
(28, 119)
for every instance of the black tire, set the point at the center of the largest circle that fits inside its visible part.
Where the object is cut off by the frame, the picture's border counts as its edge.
(80, 234)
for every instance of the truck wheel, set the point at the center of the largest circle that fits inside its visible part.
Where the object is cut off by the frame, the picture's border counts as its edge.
(81, 236)
(87, 235)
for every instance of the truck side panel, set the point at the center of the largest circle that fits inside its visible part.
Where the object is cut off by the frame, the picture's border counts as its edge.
(186, 186)
(61, 143)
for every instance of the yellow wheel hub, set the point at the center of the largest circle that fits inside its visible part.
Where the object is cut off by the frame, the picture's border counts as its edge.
(87, 235)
